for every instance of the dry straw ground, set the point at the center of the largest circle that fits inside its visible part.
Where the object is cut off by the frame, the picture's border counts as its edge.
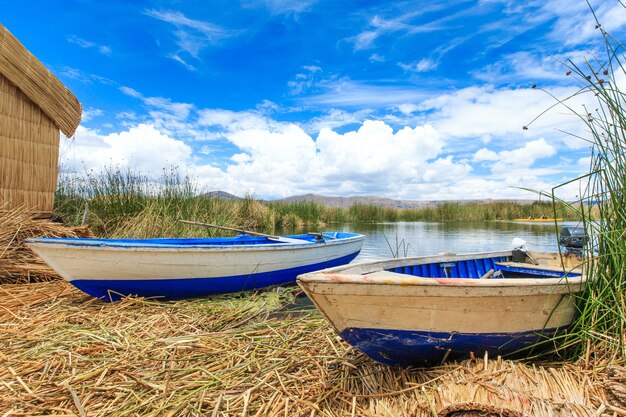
(18, 264)
(63, 353)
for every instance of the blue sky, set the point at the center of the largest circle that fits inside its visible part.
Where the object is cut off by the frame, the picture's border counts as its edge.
(407, 99)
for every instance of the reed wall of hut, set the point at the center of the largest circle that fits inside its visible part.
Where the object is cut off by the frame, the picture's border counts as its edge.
(29, 152)
(34, 107)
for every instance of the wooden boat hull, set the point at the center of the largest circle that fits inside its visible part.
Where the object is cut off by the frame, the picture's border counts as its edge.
(401, 319)
(185, 268)
(401, 348)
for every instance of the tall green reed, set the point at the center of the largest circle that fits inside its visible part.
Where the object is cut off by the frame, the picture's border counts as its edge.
(601, 323)
(599, 331)
(124, 203)
(400, 247)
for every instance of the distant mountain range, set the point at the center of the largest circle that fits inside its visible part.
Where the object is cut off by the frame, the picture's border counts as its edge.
(222, 195)
(346, 202)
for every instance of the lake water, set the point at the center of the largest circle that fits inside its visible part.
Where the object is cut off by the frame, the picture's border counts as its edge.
(430, 238)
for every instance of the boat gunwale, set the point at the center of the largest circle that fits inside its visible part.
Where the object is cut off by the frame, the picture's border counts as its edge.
(358, 274)
(321, 277)
(137, 245)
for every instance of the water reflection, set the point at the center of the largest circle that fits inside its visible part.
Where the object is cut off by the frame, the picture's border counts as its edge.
(431, 238)
(426, 238)
(421, 238)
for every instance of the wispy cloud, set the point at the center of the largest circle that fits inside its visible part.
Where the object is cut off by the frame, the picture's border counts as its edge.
(435, 57)
(423, 65)
(90, 113)
(379, 26)
(83, 43)
(180, 111)
(80, 76)
(501, 112)
(304, 80)
(176, 57)
(169, 117)
(358, 94)
(284, 6)
(192, 36)
(377, 58)
(562, 21)
(575, 24)
(529, 66)
(406, 22)
(80, 42)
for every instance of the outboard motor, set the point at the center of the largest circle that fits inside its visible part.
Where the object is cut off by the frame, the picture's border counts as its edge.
(519, 250)
(572, 238)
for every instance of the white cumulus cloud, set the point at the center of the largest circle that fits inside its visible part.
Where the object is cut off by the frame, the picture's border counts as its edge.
(142, 148)
(517, 162)
(485, 154)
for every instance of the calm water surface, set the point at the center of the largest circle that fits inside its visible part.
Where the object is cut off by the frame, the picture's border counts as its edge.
(429, 238)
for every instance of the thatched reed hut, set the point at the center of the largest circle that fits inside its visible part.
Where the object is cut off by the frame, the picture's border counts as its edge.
(34, 107)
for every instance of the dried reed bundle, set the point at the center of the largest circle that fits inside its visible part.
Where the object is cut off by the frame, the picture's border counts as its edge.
(18, 264)
(615, 386)
(64, 353)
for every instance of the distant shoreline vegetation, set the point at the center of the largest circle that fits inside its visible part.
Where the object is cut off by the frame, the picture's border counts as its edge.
(128, 204)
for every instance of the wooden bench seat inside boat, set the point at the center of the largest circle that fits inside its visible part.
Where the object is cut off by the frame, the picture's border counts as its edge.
(523, 267)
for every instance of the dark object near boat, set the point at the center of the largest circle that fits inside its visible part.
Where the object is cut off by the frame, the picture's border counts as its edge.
(572, 238)
(519, 255)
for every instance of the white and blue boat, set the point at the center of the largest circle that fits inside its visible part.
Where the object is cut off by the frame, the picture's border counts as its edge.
(185, 268)
(425, 310)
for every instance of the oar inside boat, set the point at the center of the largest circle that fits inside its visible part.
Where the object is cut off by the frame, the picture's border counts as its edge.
(248, 232)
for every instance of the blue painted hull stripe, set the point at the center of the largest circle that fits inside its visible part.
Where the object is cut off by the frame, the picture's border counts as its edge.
(179, 288)
(405, 347)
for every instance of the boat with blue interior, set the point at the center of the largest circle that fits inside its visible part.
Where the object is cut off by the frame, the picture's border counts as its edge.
(166, 268)
(425, 310)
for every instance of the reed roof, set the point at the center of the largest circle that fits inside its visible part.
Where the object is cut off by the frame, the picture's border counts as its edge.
(31, 77)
